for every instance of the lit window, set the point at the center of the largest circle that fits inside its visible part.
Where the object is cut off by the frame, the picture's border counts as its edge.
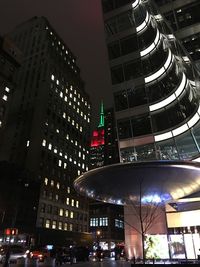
(81, 128)
(46, 181)
(52, 77)
(28, 143)
(5, 98)
(52, 182)
(68, 118)
(70, 95)
(94, 222)
(60, 225)
(7, 89)
(71, 87)
(58, 186)
(0, 123)
(65, 98)
(72, 122)
(103, 221)
(50, 146)
(72, 202)
(64, 115)
(68, 190)
(67, 137)
(57, 82)
(79, 173)
(66, 52)
(66, 213)
(71, 214)
(77, 203)
(55, 150)
(61, 94)
(44, 142)
(53, 224)
(67, 201)
(60, 163)
(65, 156)
(47, 223)
(65, 226)
(60, 153)
(70, 227)
(65, 165)
(61, 212)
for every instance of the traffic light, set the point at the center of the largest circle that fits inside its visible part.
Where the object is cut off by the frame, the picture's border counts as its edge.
(11, 231)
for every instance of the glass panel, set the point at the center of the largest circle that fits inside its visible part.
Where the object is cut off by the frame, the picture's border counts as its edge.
(136, 96)
(117, 75)
(167, 150)
(124, 129)
(146, 152)
(120, 100)
(186, 146)
(141, 125)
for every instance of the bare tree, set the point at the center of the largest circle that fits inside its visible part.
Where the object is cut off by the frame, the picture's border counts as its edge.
(146, 210)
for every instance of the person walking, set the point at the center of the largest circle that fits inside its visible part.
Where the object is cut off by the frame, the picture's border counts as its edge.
(7, 258)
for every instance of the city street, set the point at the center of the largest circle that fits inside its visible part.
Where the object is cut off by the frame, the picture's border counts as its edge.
(51, 263)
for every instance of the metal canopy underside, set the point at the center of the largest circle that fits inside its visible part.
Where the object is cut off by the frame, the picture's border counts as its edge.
(123, 182)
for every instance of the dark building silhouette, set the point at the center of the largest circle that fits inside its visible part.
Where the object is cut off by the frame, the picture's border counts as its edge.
(10, 60)
(47, 131)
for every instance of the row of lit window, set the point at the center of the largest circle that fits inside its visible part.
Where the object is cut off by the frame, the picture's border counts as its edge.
(62, 54)
(5, 96)
(71, 89)
(58, 225)
(62, 163)
(55, 150)
(119, 223)
(99, 221)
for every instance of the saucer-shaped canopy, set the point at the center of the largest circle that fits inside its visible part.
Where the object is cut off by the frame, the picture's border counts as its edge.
(152, 181)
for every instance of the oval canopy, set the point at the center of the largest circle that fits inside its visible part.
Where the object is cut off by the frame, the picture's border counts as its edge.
(154, 181)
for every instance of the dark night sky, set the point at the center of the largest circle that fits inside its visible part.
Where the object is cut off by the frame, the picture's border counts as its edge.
(79, 23)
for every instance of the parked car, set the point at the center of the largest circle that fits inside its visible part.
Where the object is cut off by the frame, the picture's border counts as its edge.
(16, 252)
(39, 253)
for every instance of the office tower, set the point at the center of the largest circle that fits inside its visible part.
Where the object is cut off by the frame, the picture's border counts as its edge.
(183, 17)
(48, 128)
(106, 220)
(154, 82)
(98, 143)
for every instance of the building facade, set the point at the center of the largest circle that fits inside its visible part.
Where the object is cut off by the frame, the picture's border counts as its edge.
(154, 82)
(183, 17)
(47, 133)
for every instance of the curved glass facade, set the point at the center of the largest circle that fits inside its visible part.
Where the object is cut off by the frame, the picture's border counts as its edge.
(155, 84)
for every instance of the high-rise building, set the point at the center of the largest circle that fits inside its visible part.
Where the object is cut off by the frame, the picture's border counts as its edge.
(98, 143)
(47, 130)
(183, 17)
(154, 82)
(106, 220)
(155, 85)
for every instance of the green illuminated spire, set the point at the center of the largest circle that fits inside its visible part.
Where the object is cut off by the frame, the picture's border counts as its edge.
(101, 122)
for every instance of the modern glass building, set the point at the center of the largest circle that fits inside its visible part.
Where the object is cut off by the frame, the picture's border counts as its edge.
(183, 17)
(154, 82)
